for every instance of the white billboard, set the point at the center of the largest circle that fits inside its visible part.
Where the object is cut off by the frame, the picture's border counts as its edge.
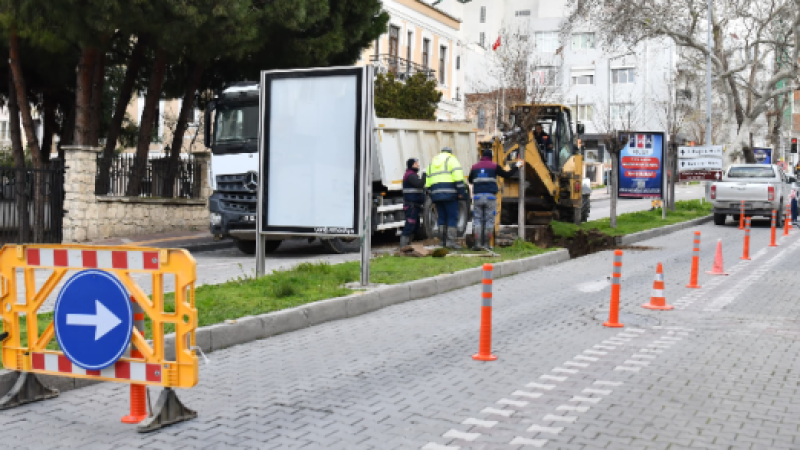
(312, 146)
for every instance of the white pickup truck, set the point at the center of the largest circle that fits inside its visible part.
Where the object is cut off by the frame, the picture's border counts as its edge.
(763, 188)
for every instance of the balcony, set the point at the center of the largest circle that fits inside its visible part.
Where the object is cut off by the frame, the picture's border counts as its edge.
(402, 68)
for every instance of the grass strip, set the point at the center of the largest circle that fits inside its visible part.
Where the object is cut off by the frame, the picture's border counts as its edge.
(635, 222)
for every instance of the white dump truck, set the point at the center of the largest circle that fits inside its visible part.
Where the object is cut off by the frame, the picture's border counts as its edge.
(231, 132)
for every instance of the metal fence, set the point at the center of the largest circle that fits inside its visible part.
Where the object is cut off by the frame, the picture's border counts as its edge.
(187, 182)
(32, 204)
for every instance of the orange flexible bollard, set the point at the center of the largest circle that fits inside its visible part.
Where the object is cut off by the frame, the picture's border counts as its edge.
(485, 346)
(695, 262)
(718, 268)
(787, 220)
(772, 242)
(613, 313)
(657, 300)
(138, 391)
(741, 216)
(746, 255)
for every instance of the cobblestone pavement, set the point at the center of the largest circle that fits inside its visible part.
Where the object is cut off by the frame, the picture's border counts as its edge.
(719, 371)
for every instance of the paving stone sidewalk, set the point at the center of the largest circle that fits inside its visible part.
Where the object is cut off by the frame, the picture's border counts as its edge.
(403, 378)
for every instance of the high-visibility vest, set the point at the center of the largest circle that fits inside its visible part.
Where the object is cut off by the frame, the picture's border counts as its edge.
(445, 178)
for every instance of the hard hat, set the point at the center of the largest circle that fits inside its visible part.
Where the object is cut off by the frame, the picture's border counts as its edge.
(447, 149)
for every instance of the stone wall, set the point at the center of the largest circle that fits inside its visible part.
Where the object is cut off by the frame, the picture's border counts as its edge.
(90, 217)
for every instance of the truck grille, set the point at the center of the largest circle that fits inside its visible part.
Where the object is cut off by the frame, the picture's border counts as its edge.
(237, 192)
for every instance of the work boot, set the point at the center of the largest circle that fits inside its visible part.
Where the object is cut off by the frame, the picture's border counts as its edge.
(451, 239)
(476, 233)
(405, 241)
(442, 235)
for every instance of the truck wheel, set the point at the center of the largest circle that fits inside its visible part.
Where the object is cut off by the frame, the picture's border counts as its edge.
(780, 217)
(719, 219)
(429, 228)
(249, 247)
(339, 246)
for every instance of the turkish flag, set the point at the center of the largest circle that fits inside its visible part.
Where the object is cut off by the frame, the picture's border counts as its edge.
(496, 44)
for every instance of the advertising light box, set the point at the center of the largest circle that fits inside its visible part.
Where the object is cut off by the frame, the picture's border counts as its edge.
(312, 150)
(641, 165)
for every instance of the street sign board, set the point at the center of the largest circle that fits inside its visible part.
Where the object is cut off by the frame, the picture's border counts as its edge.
(701, 175)
(93, 319)
(698, 152)
(700, 164)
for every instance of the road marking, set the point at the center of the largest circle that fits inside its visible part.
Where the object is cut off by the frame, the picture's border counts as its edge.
(499, 412)
(532, 442)
(480, 423)
(607, 383)
(593, 286)
(455, 434)
(554, 418)
(585, 399)
(517, 403)
(547, 387)
(580, 409)
(527, 394)
(552, 377)
(606, 347)
(628, 335)
(562, 370)
(629, 369)
(638, 363)
(635, 330)
(577, 364)
(586, 358)
(595, 352)
(435, 446)
(541, 429)
(597, 391)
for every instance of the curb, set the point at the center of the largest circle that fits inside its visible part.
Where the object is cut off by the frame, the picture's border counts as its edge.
(662, 231)
(208, 246)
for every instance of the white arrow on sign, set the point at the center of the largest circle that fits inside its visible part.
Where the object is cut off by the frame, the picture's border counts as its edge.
(103, 321)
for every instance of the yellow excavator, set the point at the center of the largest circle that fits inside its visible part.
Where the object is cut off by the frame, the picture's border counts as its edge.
(542, 137)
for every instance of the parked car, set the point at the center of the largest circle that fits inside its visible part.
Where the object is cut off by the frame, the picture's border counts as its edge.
(764, 188)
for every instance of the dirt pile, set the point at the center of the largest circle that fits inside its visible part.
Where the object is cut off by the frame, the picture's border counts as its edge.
(587, 242)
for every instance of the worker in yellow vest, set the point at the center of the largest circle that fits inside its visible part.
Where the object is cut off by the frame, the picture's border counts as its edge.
(445, 183)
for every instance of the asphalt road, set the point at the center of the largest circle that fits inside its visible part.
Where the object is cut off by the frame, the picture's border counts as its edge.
(601, 204)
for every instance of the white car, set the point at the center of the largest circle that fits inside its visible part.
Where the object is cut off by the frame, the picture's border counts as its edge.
(763, 188)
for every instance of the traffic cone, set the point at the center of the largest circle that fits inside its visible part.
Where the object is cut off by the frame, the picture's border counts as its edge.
(718, 268)
(658, 301)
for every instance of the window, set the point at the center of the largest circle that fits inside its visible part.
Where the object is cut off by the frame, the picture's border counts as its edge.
(482, 40)
(442, 63)
(458, 95)
(3, 130)
(621, 112)
(544, 76)
(458, 63)
(394, 41)
(622, 76)
(481, 117)
(582, 41)
(522, 13)
(547, 41)
(483, 14)
(426, 46)
(583, 76)
(585, 113)
(377, 47)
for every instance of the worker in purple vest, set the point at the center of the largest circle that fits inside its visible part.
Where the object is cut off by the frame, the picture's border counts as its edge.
(483, 178)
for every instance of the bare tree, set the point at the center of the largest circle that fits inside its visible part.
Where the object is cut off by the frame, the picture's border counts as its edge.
(613, 125)
(746, 34)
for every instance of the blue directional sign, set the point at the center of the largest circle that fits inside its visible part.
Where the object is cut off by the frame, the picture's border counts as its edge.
(93, 319)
